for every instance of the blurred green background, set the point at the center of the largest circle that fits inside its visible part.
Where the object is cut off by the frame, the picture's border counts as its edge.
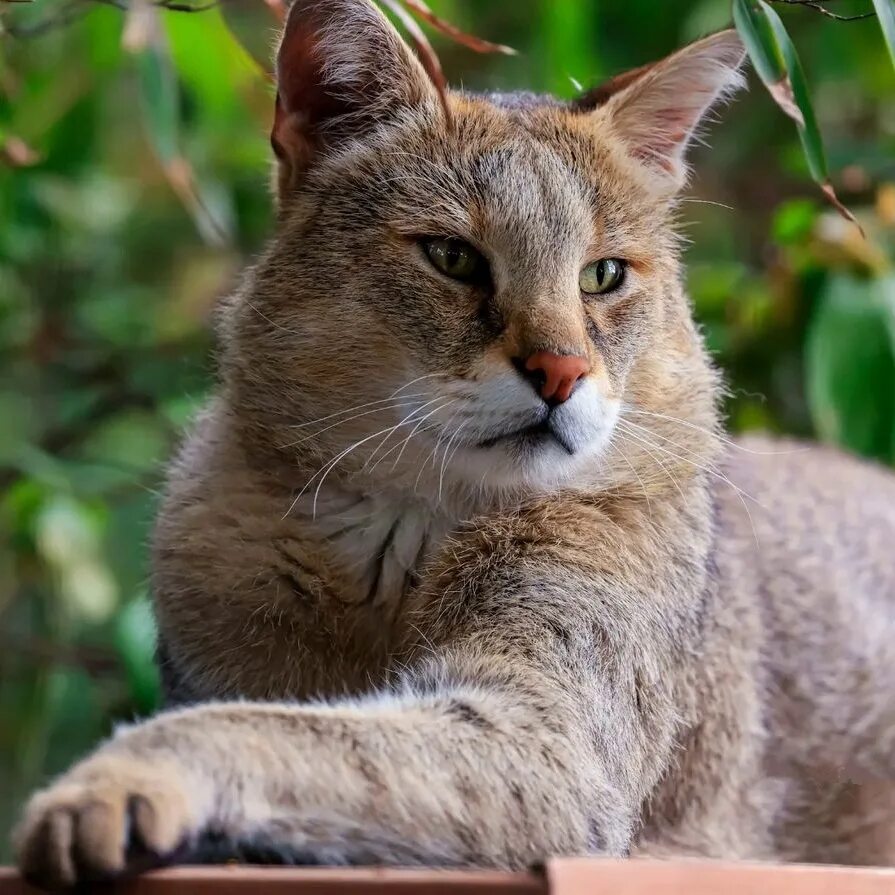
(134, 174)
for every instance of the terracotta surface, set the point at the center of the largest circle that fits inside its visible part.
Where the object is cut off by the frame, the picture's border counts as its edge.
(584, 876)
(311, 881)
(566, 877)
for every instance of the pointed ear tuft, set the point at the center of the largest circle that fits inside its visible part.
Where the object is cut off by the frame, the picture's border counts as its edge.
(657, 109)
(341, 67)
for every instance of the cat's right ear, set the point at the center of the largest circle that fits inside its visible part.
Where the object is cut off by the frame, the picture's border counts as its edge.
(342, 68)
(657, 109)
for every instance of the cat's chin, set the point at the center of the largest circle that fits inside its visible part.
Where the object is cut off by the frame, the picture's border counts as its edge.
(564, 451)
(530, 461)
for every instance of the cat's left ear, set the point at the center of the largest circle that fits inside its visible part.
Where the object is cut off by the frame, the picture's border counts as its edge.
(656, 110)
(342, 69)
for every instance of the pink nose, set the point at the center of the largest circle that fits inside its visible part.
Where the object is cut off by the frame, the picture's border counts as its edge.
(558, 373)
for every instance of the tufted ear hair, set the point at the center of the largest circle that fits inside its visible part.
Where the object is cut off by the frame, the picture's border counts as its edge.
(341, 68)
(656, 109)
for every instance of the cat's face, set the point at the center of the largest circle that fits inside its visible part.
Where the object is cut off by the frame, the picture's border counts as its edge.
(469, 301)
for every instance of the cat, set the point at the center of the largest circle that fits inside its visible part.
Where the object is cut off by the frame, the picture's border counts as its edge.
(458, 568)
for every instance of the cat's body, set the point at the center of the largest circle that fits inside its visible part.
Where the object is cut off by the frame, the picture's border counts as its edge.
(552, 626)
(792, 636)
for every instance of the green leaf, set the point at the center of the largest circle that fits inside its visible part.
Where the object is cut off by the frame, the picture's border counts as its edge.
(809, 132)
(755, 29)
(850, 366)
(885, 12)
(778, 65)
(254, 26)
(161, 101)
(212, 64)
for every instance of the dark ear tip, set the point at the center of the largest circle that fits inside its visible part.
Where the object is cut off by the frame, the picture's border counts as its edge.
(602, 93)
(728, 45)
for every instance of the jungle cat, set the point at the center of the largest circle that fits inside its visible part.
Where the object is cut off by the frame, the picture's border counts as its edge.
(457, 568)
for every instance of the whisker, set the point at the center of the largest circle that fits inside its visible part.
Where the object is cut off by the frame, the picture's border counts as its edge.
(708, 202)
(415, 430)
(338, 459)
(444, 461)
(717, 435)
(264, 316)
(328, 466)
(443, 437)
(406, 419)
(712, 472)
(646, 444)
(709, 469)
(430, 458)
(633, 469)
(330, 416)
(348, 420)
(414, 381)
(395, 447)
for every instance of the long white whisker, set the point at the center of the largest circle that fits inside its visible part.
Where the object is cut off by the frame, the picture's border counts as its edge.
(646, 444)
(273, 323)
(714, 473)
(433, 454)
(444, 435)
(414, 431)
(344, 453)
(711, 471)
(708, 202)
(633, 469)
(728, 441)
(446, 459)
(414, 381)
(330, 416)
(407, 419)
(416, 428)
(349, 419)
(395, 447)
(327, 467)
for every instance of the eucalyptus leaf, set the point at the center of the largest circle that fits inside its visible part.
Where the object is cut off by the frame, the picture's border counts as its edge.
(254, 26)
(885, 12)
(159, 93)
(778, 65)
(757, 34)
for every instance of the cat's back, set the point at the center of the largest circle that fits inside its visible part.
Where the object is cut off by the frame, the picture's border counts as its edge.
(811, 514)
(810, 544)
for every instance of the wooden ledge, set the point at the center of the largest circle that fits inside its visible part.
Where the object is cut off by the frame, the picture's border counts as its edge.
(588, 876)
(235, 880)
(575, 876)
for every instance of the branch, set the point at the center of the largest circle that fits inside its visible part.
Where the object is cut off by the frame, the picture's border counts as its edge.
(818, 7)
(77, 8)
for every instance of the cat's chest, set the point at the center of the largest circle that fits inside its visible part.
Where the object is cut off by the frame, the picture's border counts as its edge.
(378, 546)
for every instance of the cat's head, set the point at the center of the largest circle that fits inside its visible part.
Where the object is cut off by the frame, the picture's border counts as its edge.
(470, 299)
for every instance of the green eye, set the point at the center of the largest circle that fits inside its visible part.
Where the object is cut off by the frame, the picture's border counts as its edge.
(456, 259)
(602, 276)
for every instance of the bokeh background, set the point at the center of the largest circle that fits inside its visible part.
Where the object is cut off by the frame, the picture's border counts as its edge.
(134, 174)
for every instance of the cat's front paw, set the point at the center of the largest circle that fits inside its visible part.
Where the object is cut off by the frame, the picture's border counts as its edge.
(110, 815)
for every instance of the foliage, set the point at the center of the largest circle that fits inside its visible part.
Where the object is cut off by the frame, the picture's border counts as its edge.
(134, 184)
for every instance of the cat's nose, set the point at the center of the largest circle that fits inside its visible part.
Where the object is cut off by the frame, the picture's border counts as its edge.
(553, 376)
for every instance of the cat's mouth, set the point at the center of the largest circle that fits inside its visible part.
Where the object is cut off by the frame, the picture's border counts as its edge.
(533, 435)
